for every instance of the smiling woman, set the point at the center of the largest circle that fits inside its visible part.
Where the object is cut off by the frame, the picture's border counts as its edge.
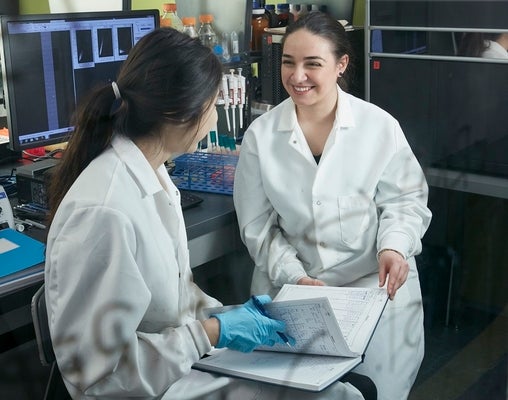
(345, 205)
(309, 72)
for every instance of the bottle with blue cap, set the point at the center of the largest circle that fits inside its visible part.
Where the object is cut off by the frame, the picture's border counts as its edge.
(283, 15)
(272, 15)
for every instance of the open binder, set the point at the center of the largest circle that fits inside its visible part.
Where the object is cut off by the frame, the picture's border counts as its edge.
(332, 327)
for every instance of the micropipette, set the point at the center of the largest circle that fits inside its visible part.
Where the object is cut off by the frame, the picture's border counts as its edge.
(233, 94)
(225, 95)
(241, 95)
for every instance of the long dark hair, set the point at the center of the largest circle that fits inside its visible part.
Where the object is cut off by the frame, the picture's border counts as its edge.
(322, 24)
(168, 78)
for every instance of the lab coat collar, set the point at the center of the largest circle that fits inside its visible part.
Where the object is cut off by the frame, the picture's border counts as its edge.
(138, 165)
(343, 115)
(288, 108)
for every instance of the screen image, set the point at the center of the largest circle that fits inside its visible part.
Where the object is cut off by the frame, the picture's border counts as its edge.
(49, 62)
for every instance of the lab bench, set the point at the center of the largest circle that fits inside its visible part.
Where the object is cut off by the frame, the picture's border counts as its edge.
(212, 232)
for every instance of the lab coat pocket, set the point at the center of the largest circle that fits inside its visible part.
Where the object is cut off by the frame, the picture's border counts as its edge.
(354, 217)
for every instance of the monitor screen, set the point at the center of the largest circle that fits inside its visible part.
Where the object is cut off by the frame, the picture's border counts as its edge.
(50, 61)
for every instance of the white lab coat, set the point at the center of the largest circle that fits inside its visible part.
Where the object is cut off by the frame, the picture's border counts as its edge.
(494, 50)
(328, 221)
(121, 303)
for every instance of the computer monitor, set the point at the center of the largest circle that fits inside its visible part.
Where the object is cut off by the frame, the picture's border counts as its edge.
(49, 62)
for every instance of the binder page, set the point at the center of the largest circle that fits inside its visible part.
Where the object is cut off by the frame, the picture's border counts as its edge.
(357, 310)
(308, 372)
(312, 323)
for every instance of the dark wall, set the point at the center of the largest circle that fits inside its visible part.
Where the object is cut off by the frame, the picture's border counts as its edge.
(453, 113)
(9, 7)
(436, 13)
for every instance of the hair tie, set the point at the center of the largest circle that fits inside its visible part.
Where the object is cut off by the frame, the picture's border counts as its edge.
(118, 96)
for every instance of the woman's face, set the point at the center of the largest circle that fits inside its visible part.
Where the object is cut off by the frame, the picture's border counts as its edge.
(185, 138)
(309, 68)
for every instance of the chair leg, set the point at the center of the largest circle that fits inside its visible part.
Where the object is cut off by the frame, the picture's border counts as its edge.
(55, 389)
(363, 383)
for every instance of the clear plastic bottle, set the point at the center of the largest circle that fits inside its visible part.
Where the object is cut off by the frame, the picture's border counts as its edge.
(189, 26)
(304, 9)
(226, 52)
(165, 20)
(169, 14)
(206, 32)
(293, 9)
(235, 46)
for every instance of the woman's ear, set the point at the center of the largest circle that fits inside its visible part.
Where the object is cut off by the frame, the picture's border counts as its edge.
(342, 65)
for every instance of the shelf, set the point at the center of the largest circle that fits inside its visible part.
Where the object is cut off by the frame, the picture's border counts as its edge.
(449, 115)
(468, 182)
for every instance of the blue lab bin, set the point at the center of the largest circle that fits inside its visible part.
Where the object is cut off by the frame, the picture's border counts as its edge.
(205, 172)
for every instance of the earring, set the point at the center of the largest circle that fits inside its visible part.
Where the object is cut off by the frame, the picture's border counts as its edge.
(340, 74)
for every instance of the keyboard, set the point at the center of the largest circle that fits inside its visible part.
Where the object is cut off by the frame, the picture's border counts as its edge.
(31, 211)
(189, 200)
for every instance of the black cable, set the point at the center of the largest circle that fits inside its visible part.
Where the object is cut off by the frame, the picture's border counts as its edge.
(8, 182)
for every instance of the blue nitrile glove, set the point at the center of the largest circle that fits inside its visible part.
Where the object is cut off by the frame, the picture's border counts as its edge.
(244, 328)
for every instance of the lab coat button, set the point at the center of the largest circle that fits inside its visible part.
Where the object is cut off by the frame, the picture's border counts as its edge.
(318, 203)
(322, 244)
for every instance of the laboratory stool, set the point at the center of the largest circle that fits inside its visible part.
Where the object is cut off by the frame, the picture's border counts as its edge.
(55, 388)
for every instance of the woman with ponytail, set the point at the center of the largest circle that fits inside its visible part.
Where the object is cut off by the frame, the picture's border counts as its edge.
(126, 319)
